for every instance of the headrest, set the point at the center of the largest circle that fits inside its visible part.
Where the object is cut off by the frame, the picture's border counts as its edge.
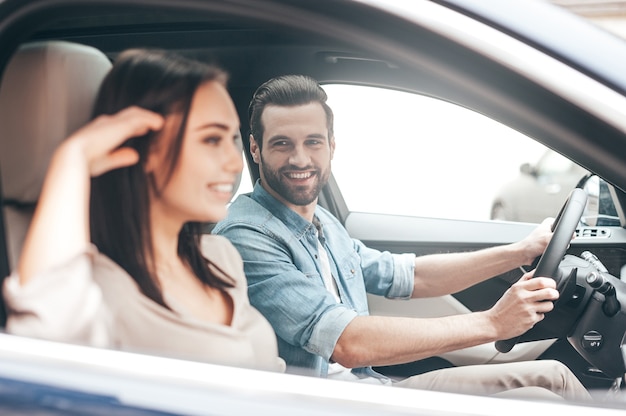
(47, 92)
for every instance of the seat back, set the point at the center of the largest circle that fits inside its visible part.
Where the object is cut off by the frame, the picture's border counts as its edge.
(46, 93)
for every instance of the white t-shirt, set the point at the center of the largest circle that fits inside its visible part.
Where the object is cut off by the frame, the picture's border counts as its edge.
(335, 370)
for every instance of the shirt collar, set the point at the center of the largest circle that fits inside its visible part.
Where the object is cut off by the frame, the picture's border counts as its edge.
(287, 216)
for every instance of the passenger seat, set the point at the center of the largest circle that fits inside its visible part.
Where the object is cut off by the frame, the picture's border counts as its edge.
(46, 93)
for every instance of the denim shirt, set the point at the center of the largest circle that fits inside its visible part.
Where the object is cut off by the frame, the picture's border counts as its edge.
(281, 262)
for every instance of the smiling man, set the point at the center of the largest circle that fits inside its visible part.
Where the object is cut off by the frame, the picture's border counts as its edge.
(295, 170)
(310, 278)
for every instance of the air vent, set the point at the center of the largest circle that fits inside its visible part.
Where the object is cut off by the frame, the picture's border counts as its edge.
(591, 232)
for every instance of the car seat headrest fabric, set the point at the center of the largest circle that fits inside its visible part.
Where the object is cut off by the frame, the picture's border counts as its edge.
(47, 92)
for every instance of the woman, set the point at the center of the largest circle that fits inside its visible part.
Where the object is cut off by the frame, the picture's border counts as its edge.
(132, 271)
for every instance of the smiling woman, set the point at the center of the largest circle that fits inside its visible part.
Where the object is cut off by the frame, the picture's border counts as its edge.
(163, 157)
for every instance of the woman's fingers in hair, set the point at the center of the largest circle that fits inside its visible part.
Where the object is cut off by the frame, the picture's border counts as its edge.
(119, 158)
(138, 121)
(100, 139)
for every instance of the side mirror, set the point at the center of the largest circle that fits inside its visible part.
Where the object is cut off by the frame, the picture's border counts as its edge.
(528, 169)
(600, 209)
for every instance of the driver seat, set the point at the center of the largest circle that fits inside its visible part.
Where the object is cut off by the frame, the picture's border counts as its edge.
(46, 93)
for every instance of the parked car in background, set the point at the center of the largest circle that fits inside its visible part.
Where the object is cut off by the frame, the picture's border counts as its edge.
(526, 65)
(539, 191)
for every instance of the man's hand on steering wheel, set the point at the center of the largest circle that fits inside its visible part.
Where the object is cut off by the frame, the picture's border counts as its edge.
(523, 305)
(548, 266)
(536, 242)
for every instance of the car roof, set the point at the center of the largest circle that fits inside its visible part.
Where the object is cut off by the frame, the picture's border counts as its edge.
(575, 41)
(338, 41)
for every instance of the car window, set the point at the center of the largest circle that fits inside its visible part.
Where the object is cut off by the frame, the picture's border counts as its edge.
(553, 163)
(245, 185)
(458, 164)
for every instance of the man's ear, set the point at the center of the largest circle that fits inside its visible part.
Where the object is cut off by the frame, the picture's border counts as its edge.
(254, 150)
(332, 147)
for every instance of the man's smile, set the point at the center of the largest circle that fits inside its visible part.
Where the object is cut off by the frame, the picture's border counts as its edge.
(299, 175)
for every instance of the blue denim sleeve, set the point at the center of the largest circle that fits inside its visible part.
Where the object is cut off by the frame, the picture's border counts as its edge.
(386, 274)
(301, 310)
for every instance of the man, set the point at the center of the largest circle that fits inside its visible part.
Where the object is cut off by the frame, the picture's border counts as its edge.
(309, 278)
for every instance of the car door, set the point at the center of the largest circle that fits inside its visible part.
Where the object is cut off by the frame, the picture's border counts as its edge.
(447, 171)
(428, 190)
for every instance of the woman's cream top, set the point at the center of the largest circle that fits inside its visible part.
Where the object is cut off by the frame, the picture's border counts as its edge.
(91, 300)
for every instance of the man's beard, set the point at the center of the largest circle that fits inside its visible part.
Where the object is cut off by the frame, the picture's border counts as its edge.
(296, 195)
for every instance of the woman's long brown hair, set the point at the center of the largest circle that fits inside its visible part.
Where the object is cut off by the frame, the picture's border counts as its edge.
(165, 83)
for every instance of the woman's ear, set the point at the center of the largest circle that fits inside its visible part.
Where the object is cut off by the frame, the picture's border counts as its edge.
(159, 144)
(152, 159)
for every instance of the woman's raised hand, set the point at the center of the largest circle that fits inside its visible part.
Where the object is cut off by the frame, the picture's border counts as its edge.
(100, 140)
(60, 226)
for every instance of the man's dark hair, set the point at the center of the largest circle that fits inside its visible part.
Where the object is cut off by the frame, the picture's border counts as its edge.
(286, 91)
(165, 83)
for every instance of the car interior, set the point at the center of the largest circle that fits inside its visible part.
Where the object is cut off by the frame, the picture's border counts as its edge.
(59, 55)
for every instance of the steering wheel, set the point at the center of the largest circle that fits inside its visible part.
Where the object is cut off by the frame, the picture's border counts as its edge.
(563, 228)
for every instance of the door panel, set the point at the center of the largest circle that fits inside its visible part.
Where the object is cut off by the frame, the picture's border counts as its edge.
(449, 305)
(427, 235)
(399, 234)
